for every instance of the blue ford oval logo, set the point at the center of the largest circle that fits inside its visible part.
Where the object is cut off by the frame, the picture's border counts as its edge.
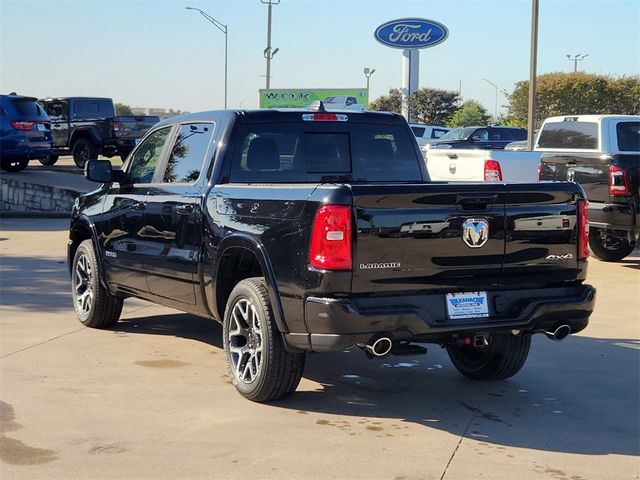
(411, 33)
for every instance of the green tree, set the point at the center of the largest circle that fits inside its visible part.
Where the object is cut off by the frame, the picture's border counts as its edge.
(433, 106)
(576, 93)
(388, 103)
(470, 113)
(122, 109)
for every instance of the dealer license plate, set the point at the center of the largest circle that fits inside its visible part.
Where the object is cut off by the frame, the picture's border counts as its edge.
(467, 305)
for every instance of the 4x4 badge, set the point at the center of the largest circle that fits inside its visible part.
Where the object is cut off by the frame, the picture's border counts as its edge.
(475, 232)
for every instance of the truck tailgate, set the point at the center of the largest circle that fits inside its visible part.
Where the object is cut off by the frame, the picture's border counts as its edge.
(133, 126)
(409, 237)
(433, 236)
(457, 165)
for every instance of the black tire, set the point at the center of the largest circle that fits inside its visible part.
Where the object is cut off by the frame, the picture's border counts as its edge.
(50, 160)
(607, 247)
(14, 165)
(103, 309)
(276, 372)
(83, 149)
(502, 358)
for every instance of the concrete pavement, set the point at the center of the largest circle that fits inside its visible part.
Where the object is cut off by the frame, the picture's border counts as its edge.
(150, 398)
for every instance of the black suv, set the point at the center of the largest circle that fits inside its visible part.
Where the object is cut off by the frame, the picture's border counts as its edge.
(24, 132)
(493, 138)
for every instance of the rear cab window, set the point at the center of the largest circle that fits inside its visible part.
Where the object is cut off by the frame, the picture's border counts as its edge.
(324, 152)
(628, 136)
(569, 134)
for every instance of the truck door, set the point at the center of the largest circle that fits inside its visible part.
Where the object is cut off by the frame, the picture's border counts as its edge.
(127, 237)
(172, 235)
(58, 111)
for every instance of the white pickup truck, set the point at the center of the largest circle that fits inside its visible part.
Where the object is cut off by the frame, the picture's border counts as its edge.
(557, 135)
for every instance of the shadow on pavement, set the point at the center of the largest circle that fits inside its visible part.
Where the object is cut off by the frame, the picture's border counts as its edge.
(26, 224)
(631, 263)
(34, 283)
(578, 396)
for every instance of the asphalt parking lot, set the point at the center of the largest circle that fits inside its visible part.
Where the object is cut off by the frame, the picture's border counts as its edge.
(150, 398)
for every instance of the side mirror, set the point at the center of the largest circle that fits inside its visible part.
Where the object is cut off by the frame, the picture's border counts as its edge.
(475, 138)
(98, 171)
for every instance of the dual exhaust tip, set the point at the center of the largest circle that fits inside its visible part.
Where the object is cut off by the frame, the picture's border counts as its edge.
(559, 333)
(381, 346)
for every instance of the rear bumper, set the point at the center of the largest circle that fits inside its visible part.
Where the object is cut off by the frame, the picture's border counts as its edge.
(614, 216)
(335, 324)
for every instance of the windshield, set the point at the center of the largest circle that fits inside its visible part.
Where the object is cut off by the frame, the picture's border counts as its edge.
(458, 134)
(329, 100)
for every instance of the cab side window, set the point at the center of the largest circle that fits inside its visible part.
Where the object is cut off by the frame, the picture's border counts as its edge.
(188, 153)
(144, 160)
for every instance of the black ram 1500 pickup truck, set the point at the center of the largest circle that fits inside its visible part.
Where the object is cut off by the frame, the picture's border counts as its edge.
(315, 231)
(86, 127)
(602, 154)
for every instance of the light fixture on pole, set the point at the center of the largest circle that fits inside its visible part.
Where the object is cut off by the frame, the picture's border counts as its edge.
(367, 73)
(223, 28)
(268, 53)
(495, 109)
(575, 59)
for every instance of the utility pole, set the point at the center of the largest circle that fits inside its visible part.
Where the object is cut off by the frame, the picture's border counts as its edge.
(575, 59)
(531, 120)
(223, 28)
(268, 54)
(495, 110)
(367, 73)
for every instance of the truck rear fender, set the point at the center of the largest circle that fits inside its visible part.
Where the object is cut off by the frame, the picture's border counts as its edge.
(86, 132)
(229, 250)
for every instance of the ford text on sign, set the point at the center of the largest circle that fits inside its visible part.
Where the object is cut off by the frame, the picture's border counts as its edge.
(411, 33)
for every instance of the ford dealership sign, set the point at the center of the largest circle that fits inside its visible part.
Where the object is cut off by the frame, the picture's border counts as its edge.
(411, 33)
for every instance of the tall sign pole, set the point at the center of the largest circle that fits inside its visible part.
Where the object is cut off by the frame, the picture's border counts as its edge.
(410, 35)
(531, 120)
(268, 54)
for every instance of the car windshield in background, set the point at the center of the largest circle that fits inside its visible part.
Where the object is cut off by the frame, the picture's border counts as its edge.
(281, 153)
(628, 136)
(329, 99)
(458, 134)
(569, 134)
(418, 131)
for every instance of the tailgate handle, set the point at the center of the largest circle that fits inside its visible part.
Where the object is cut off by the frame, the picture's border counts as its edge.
(476, 202)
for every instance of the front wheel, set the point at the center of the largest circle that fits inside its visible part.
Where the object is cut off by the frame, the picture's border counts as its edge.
(502, 358)
(50, 160)
(94, 305)
(83, 149)
(608, 247)
(260, 366)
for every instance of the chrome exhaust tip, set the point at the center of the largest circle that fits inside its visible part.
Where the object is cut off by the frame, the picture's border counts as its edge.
(379, 346)
(559, 333)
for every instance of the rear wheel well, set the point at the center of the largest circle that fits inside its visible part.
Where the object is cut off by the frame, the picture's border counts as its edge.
(80, 134)
(236, 264)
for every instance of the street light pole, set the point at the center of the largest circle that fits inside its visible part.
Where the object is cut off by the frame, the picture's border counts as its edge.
(367, 73)
(531, 121)
(495, 110)
(268, 54)
(575, 59)
(223, 28)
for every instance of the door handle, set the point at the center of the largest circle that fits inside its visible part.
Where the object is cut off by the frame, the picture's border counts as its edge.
(138, 206)
(187, 209)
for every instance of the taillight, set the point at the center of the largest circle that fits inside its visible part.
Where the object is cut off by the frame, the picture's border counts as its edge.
(583, 230)
(324, 117)
(22, 125)
(619, 181)
(116, 126)
(492, 171)
(330, 247)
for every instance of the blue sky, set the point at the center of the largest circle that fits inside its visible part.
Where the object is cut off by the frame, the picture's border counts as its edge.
(155, 53)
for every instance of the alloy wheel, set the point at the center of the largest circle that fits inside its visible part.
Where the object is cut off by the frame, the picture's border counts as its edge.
(245, 341)
(83, 284)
